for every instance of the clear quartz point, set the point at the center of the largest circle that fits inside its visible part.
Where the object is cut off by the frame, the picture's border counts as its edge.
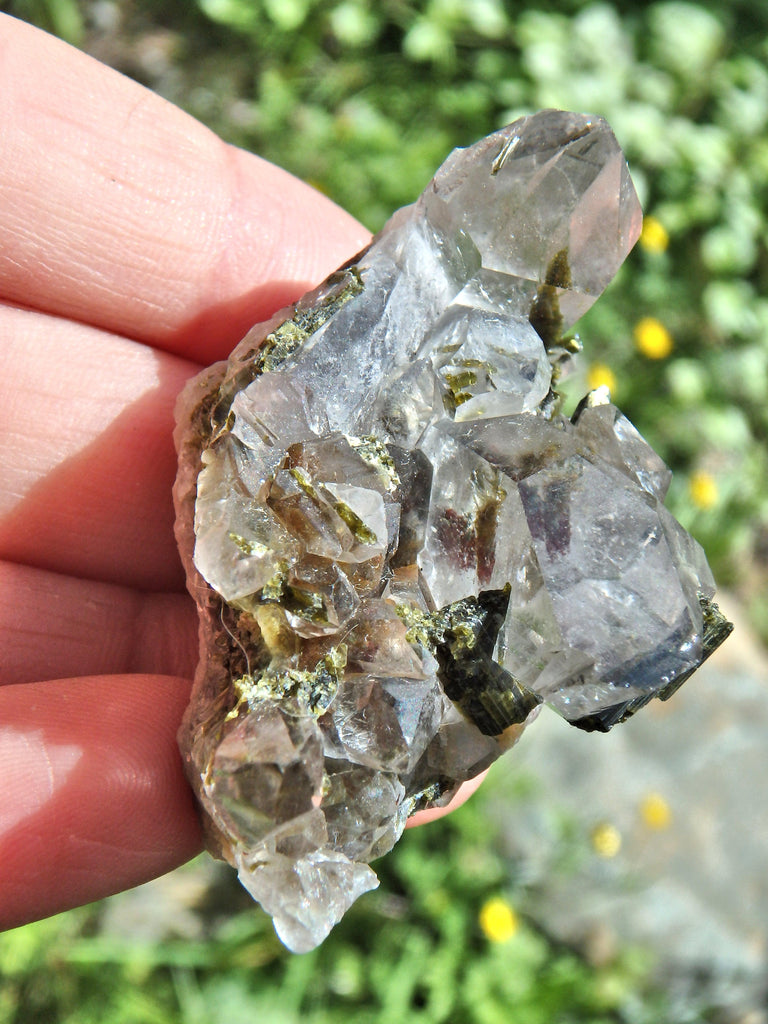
(399, 547)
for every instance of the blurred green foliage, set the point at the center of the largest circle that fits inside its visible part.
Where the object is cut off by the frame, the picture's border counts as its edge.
(62, 17)
(412, 951)
(364, 99)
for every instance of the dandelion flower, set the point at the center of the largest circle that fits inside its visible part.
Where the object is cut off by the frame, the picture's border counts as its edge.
(606, 840)
(655, 812)
(652, 338)
(703, 490)
(654, 236)
(498, 920)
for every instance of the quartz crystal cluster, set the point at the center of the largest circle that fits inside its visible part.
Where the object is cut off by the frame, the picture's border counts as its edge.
(400, 547)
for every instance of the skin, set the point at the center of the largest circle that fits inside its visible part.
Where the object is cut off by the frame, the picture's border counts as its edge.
(135, 247)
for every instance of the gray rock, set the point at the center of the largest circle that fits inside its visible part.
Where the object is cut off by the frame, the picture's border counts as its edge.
(685, 787)
(399, 547)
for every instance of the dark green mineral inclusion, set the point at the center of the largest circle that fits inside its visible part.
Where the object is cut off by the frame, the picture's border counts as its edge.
(485, 692)
(716, 629)
(354, 523)
(545, 315)
(313, 691)
(286, 339)
(292, 334)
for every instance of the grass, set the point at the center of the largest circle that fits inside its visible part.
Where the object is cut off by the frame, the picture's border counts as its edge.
(447, 938)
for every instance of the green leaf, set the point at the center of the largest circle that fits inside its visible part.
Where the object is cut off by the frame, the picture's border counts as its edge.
(426, 41)
(288, 15)
(354, 24)
(240, 15)
(685, 38)
(66, 20)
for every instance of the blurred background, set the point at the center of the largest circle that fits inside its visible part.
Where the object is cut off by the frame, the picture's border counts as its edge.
(616, 879)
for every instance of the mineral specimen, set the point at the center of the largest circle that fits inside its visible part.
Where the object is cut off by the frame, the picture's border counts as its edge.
(400, 547)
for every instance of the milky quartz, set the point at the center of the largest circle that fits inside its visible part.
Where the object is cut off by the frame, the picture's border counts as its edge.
(400, 547)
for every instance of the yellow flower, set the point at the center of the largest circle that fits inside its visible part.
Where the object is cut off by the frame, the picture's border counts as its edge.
(601, 376)
(654, 236)
(606, 840)
(498, 920)
(703, 490)
(655, 811)
(652, 338)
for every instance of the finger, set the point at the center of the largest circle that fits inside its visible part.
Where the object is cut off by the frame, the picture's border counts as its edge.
(86, 452)
(463, 794)
(54, 627)
(119, 210)
(94, 798)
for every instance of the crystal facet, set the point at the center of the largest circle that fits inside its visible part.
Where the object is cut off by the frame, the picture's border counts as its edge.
(398, 545)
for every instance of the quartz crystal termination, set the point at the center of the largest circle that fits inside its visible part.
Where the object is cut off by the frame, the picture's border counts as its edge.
(398, 545)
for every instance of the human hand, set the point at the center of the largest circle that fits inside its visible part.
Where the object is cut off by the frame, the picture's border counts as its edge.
(134, 248)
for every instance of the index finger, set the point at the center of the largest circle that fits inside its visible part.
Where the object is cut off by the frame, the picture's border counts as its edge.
(119, 210)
